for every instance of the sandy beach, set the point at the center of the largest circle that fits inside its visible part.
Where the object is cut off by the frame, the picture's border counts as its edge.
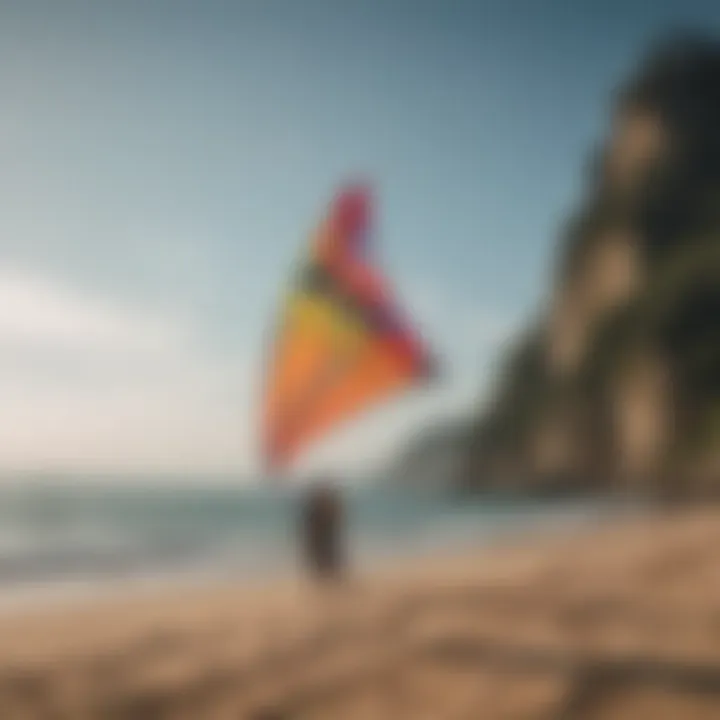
(617, 621)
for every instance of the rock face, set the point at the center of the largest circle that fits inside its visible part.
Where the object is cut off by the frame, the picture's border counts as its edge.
(618, 383)
(609, 276)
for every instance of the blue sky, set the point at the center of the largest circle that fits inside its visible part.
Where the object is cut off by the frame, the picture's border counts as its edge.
(162, 163)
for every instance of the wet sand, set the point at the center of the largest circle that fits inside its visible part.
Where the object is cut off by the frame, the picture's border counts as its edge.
(622, 621)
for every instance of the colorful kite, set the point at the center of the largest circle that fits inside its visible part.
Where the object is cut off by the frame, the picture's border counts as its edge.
(341, 344)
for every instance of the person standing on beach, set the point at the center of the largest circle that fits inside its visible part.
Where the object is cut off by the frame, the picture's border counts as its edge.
(322, 531)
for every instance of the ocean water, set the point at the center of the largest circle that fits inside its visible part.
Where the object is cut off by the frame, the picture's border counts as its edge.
(94, 534)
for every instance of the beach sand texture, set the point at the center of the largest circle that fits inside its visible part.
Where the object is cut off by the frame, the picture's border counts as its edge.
(619, 622)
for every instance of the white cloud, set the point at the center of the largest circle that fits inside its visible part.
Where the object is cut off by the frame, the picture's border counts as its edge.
(39, 310)
(88, 384)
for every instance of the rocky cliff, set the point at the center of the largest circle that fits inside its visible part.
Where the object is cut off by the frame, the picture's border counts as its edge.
(618, 384)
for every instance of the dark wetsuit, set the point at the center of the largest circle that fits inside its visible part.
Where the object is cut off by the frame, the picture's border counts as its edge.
(322, 530)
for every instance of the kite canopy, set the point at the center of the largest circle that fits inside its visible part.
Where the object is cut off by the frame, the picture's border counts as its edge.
(341, 344)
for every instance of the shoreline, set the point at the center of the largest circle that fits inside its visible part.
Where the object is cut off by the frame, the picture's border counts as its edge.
(39, 596)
